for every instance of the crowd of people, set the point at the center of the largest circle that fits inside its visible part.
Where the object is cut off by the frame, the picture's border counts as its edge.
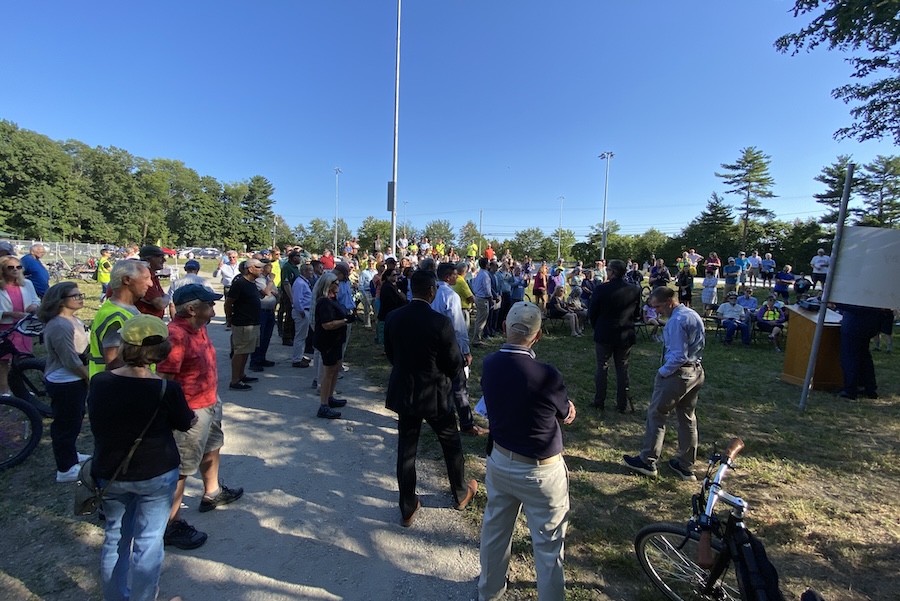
(428, 307)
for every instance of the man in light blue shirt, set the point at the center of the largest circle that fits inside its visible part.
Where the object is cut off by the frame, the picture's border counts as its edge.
(446, 302)
(482, 289)
(345, 298)
(677, 385)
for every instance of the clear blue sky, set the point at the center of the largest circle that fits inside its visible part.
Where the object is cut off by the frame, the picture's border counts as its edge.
(504, 104)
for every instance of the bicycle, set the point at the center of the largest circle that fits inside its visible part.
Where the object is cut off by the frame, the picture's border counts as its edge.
(26, 372)
(20, 430)
(693, 561)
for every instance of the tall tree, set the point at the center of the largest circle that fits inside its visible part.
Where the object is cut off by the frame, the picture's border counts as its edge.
(880, 191)
(372, 227)
(834, 176)
(439, 229)
(468, 234)
(713, 229)
(257, 212)
(867, 26)
(526, 242)
(749, 178)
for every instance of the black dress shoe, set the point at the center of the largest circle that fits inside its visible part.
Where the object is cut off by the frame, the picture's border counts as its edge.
(249, 379)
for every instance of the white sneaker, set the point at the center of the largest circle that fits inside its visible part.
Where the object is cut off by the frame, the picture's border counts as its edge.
(69, 476)
(82, 457)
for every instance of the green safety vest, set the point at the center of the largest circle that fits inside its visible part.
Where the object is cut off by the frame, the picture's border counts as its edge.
(108, 314)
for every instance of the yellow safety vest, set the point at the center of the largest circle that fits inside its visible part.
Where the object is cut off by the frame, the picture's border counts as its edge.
(107, 315)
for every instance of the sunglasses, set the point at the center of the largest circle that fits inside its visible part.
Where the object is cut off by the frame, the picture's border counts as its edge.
(79, 296)
(17, 267)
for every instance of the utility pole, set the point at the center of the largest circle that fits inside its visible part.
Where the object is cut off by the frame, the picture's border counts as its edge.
(605, 156)
(337, 173)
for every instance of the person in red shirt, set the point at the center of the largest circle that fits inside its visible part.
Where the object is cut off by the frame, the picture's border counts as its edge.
(155, 301)
(327, 259)
(192, 363)
(489, 252)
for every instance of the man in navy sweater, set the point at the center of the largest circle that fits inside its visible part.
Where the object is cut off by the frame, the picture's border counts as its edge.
(526, 401)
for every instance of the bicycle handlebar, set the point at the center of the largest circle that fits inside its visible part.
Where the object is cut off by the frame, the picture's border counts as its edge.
(705, 557)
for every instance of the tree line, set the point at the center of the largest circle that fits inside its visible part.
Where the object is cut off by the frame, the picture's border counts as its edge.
(69, 191)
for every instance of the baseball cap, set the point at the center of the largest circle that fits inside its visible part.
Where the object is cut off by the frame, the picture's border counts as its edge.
(343, 268)
(144, 330)
(6, 248)
(524, 318)
(191, 292)
(192, 264)
(151, 251)
(742, 253)
(730, 259)
(731, 294)
(265, 251)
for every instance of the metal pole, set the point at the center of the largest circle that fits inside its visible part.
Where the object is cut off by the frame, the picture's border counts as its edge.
(559, 231)
(396, 129)
(826, 290)
(480, 235)
(605, 156)
(337, 173)
(274, 227)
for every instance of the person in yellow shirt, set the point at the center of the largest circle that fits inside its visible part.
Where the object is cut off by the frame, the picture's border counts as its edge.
(473, 250)
(461, 287)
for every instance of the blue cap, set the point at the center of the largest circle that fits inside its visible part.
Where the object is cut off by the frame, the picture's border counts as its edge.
(191, 292)
(192, 264)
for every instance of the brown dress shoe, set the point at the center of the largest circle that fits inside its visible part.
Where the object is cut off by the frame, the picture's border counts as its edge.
(407, 522)
(476, 430)
(471, 489)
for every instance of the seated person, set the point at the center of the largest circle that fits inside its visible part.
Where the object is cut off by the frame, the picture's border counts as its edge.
(578, 307)
(770, 318)
(748, 301)
(802, 285)
(734, 318)
(558, 309)
(651, 317)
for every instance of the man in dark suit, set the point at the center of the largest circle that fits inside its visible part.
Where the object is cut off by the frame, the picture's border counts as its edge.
(421, 345)
(615, 307)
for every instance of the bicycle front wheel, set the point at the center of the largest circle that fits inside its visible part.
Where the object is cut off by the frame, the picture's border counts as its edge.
(20, 430)
(674, 571)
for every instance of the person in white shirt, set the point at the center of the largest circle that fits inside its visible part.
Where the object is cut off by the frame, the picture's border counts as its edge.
(820, 264)
(228, 270)
(754, 261)
(734, 317)
(365, 280)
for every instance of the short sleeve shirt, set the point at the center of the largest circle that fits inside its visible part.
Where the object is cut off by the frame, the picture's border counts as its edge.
(193, 362)
(247, 303)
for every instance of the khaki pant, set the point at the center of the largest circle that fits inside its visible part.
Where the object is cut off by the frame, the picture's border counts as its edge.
(677, 392)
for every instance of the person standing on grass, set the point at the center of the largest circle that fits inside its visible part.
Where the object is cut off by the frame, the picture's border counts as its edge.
(66, 375)
(192, 363)
(446, 302)
(424, 354)
(301, 311)
(526, 401)
(242, 309)
(614, 311)
(677, 385)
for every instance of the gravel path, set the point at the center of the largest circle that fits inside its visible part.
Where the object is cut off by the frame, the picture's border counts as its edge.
(319, 516)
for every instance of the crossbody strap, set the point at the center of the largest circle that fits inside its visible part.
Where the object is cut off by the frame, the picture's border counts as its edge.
(123, 467)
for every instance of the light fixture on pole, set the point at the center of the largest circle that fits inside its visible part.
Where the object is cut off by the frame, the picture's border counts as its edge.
(559, 231)
(337, 173)
(604, 156)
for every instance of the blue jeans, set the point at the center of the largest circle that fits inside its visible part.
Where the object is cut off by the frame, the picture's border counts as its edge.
(136, 518)
(732, 325)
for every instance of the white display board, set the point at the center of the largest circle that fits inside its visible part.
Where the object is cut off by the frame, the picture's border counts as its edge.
(868, 268)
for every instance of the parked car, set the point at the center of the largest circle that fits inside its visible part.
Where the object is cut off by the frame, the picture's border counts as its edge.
(184, 252)
(209, 253)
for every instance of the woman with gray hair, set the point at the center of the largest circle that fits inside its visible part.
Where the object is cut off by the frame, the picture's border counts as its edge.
(66, 374)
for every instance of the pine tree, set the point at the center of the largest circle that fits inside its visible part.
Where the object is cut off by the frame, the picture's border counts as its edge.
(750, 178)
(833, 176)
(880, 190)
(713, 229)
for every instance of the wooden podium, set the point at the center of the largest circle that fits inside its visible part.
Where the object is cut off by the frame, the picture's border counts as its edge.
(828, 374)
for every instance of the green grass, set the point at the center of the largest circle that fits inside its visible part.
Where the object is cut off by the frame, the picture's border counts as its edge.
(821, 484)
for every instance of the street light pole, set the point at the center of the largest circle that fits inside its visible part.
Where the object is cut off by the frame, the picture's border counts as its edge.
(559, 231)
(337, 173)
(396, 130)
(605, 156)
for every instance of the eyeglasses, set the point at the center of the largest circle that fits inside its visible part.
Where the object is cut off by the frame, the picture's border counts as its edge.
(17, 267)
(79, 296)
